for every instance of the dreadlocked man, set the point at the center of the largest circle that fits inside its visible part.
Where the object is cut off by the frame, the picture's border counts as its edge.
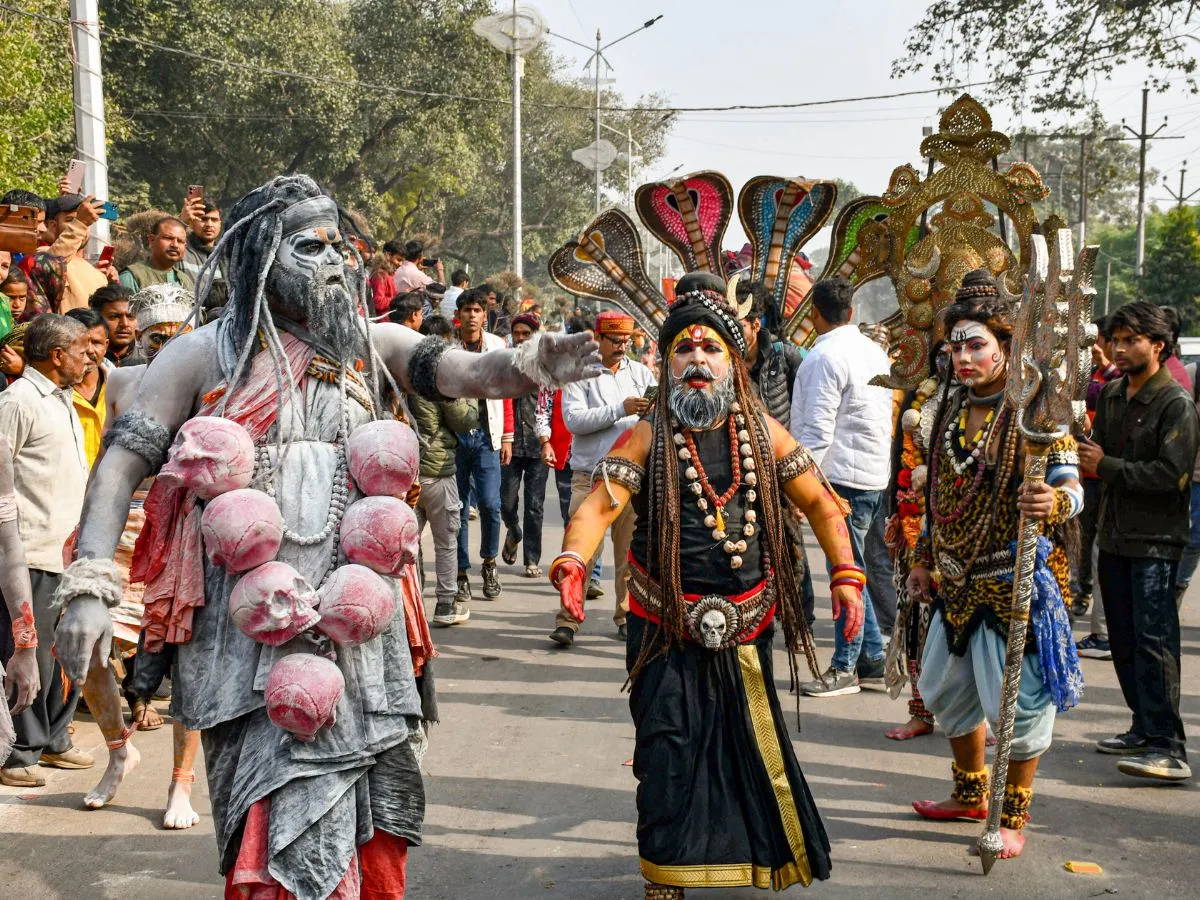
(291, 362)
(722, 801)
(963, 564)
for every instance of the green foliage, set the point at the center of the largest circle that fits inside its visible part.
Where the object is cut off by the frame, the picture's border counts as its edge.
(405, 117)
(1173, 267)
(37, 128)
(1047, 56)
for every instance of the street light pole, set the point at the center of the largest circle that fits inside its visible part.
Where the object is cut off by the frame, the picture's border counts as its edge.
(597, 59)
(518, 68)
(89, 109)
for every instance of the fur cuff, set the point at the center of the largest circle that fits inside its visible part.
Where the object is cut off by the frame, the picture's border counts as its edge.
(87, 577)
(140, 434)
(423, 366)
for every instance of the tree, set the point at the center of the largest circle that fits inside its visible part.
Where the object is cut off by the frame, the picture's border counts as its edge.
(37, 128)
(1046, 56)
(1173, 267)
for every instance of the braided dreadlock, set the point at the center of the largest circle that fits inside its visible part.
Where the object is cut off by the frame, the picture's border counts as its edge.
(662, 477)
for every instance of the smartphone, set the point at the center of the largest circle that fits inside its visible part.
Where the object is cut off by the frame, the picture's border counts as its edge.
(651, 393)
(194, 191)
(108, 210)
(106, 257)
(429, 263)
(75, 176)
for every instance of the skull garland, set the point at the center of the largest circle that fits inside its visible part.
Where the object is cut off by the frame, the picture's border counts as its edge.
(210, 456)
(273, 604)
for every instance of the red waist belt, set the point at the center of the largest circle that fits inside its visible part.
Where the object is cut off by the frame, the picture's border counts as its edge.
(712, 620)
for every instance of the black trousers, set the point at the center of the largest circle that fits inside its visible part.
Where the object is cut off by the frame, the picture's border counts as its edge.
(1143, 631)
(562, 483)
(43, 727)
(1089, 524)
(531, 471)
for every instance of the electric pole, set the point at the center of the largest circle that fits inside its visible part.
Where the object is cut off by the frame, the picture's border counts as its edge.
(89, 110)
(1142, 137)
(1180, 198)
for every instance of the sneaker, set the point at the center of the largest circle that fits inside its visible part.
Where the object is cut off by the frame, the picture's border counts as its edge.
(1080, 605)
(491, 580)
(451, 612)
(837, 682)
(594, 590)
(870, 672)
(1094, 647)
(71, 758)
(472, 514)
(622, 632)
(463, 594)
(563, 635)
(1122, 744)
(1155, 764)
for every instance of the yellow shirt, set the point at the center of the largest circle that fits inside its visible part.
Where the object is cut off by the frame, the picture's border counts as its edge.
(92, 419)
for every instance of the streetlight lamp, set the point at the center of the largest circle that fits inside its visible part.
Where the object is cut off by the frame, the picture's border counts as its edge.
(597, 57)
(515, 33)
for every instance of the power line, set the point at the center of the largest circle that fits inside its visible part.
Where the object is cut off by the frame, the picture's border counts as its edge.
(504, 101)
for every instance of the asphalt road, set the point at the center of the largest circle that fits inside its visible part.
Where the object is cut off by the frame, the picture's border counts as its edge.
(528, 797)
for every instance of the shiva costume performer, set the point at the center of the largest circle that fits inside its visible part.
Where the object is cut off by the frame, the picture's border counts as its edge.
(721, 798)
(310, 713)
(964, 564)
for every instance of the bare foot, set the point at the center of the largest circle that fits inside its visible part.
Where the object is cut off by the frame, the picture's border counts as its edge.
(179, 814)
(1014, 843)
(991, 739)
(910, 729)
(121, 762)
(950, 811)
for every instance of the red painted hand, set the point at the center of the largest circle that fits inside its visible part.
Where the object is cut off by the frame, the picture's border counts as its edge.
(568, 575)
(848, 600)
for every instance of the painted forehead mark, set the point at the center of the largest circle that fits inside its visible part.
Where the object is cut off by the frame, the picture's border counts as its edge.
(328, 235)
(965, 331)
(696, 334)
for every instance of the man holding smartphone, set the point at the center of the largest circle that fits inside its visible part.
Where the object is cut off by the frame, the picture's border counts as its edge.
(69, 219)
(409, 275)
(203, 220)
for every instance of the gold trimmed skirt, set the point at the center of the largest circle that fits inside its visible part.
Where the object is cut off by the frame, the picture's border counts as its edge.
(721, 798)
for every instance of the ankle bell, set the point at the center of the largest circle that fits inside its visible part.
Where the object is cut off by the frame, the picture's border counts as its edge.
(970, 788)
(663, 892)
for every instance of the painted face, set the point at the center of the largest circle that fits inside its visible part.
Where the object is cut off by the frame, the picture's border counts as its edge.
(155, 338)
(699, 348)
(976, 354)
(304, 252)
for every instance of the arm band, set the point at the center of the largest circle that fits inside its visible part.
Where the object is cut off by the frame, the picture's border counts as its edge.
(140, 434)
(794, 464)
(423, 366)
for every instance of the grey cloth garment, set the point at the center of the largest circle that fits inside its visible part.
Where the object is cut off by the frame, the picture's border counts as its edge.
(43, 728)
(439, 506)
(320, 800)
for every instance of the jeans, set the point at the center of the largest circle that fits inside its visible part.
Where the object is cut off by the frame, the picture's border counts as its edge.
(533, 472)
(1089, 524)
(879, 573)
(865, 506)
(1143, 631)
(440, 507)
(562, 483)
(479, 467)
(1191, 553)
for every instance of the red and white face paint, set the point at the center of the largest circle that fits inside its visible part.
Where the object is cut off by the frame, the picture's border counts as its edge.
(976, 354)
(699, 346)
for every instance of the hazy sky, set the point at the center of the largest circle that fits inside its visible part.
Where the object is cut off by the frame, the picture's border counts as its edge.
(710, 53)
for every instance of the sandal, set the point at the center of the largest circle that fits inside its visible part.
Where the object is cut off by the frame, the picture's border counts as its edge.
(509, 551)
(533, 570)
(142, 713)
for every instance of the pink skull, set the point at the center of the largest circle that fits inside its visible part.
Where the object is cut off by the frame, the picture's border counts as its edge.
(273, 604)
(242, 529)
(380, 533)
(384, 458)
(302, 694)
(356, 605)
(210, 456)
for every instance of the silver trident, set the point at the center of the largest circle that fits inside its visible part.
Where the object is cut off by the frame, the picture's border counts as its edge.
(1047, 384)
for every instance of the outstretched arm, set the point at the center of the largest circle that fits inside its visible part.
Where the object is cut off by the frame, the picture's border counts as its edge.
(594, 517)
(23, 678)
(827, 518)
(544, 359)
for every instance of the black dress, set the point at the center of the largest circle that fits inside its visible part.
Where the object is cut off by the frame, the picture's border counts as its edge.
(721, 798)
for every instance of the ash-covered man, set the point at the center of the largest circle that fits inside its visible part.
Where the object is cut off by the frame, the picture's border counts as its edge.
(292, 362)
(598, 413)
(721, 799)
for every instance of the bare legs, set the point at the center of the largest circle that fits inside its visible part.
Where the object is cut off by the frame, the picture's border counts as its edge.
(104, 700)
(179, 812)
